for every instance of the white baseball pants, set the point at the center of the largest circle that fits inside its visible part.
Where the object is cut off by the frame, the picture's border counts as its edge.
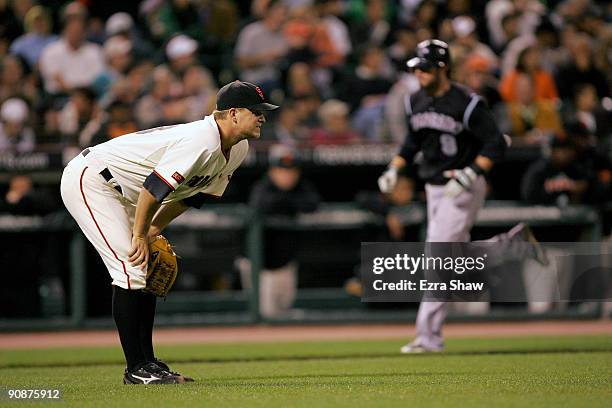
(448, 220)
(104, 216)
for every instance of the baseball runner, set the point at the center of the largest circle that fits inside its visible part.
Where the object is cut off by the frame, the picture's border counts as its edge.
(122, 193)
(459, 142)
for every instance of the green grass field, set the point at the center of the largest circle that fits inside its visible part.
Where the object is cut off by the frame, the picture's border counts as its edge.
(517, 372)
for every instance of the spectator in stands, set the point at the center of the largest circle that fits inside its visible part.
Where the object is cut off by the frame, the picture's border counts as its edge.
(176, 16)
(529, 63)
(131, 88)
(402, 194)
(181, 53)
(366, 90)
(477, 75)
(395, 111)
(570, 11)
(174, 108)
(558, 179)
(336, 128)
(149, 109)
(22, 199)
(261, 46)
(586, 110)
(118, 121)
(532, 121)
(71, 61)
(281, 192)
(328, 11)
(38, 35)
(15, 82)
(425, 17)
(595, 162)
(76, 114)
(307, 108)
(371, 80)
(402, 49)
(15, 135)
(310, 41)
(122, 25)
(581, 70)
(221, 24)
(445, 31)
(47, 127)
(455, 8)
(288, 129)
(510, 25)
(524, 15)
(199, 93)
(299, 81)
(118, 52)
(374, 29)
(467, 44)
(546, 38)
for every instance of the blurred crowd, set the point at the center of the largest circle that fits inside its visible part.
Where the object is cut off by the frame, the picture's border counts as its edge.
(77, 73)
(83, 72)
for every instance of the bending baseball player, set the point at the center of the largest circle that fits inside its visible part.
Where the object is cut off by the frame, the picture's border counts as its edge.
(123, 193)
(459, 141)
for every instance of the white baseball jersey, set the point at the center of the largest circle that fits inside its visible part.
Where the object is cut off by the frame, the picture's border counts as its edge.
(187, 158)
(172, 162)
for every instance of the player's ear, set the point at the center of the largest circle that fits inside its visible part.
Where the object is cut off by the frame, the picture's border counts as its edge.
(233, 114)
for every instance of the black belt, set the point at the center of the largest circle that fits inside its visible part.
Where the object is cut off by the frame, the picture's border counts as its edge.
(105, 173)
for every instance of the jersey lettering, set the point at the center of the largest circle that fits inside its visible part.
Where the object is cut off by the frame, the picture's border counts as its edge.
(448, 144)
(435, 120)
(198, 181)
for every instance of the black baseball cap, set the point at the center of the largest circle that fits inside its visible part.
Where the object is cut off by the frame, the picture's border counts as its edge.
(430, 54)
(240, 94)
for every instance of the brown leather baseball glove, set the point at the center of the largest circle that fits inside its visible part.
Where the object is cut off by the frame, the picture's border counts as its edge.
(162, 269)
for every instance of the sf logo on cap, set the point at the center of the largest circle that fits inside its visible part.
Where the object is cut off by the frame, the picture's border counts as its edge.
(261, 95)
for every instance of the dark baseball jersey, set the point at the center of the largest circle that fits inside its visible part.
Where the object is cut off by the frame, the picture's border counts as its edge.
(449, 131)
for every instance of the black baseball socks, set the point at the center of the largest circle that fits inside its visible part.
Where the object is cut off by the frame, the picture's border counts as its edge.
(134, 313)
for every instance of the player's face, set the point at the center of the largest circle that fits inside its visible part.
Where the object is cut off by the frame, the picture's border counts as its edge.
(250, 122)
(428, 78)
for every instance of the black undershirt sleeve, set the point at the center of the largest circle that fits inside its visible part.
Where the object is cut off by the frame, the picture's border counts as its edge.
(197, 200)
(157, 186)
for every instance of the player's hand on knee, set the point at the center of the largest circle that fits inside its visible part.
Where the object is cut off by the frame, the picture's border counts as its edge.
(387, 180)
(139, 253)
(460, 180)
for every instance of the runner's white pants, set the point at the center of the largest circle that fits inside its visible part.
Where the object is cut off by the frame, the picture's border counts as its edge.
(448, 220)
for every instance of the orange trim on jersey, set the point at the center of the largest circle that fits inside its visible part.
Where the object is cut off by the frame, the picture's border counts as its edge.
(163, 179)
(100, 230)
